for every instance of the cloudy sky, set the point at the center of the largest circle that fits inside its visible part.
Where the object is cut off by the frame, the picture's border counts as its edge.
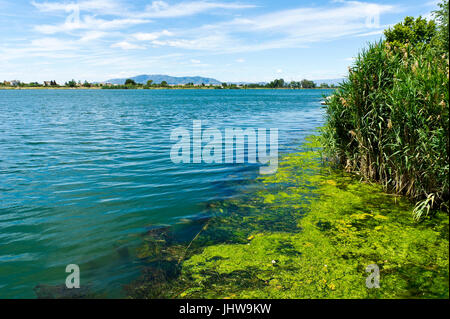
(242, 40)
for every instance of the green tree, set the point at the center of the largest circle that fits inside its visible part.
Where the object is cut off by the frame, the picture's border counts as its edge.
(307, 84)
(295, 85)
(277, 83)
(87, 84)
(130, 82)
(442, 22)
(164, 84)
(72, 83)
(149, 82)
(412, 31)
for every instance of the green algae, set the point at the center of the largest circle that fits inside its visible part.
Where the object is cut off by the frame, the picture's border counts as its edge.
(307, 232)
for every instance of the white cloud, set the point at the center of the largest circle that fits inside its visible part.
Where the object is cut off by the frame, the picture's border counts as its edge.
(429, 16)
(161, 9)
(212, 42)
(377, 32)
(152, 35)
(121, 16)
(93, 35)
(433, 3)
(112, 21)
(50, 43)
(41, 47)
(291, 28)
(89, 23)
(99, 6)
(348, 17)
(157, 9)
(126, 46)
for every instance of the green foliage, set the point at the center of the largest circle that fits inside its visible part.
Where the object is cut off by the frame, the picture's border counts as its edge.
(411, 31)
(307, 84)
(305, 232)
(389, 121)
(72, 83)
(130, 82)
(295, 85)
(442, 21)
(277, 83)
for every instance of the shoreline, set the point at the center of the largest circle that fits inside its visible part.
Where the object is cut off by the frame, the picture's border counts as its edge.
(158, 88)
(308, 233)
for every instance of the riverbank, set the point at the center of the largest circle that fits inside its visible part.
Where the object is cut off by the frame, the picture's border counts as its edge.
(306, 232)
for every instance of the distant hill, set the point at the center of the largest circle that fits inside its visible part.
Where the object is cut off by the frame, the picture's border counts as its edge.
(158, 78)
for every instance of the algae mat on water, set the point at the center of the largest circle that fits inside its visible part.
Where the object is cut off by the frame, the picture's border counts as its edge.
(308, 232)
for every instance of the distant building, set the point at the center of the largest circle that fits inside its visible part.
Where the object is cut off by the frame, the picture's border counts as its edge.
(15, 83)
(6, 83)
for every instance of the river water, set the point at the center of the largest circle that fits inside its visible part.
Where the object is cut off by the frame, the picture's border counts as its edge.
(84, 172)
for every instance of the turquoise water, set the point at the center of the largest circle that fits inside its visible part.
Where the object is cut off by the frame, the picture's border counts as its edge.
(83, 173)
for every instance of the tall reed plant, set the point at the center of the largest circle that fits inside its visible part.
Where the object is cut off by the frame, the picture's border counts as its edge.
(389, 122)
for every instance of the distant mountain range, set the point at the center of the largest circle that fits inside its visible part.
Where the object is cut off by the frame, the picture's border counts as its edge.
(158, 78)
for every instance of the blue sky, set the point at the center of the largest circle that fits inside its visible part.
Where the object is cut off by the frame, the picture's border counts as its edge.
(244, 40)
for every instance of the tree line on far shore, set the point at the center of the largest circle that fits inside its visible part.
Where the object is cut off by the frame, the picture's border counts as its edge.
(275, 84)
(131, 84)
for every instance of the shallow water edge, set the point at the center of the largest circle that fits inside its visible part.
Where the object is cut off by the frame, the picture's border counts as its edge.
(306, 232)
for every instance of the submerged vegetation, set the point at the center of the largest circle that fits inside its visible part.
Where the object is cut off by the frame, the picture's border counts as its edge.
(306, 232)
(389, 122)
(314, 230)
